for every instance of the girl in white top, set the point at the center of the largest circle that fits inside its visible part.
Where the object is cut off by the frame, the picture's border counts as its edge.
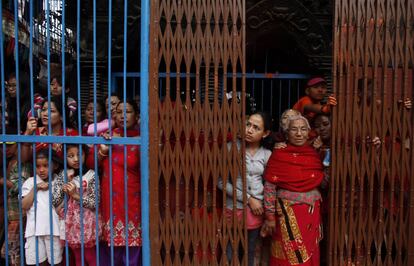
(258, 147)
(38, 227)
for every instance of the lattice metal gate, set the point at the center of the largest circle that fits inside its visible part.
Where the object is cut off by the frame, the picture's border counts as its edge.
(188, 138)
(372, 189)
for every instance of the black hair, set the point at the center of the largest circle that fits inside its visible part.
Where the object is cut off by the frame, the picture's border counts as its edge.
(318, 116)
(131, 102)
(267, 142)
(11, 75)
(44, 154)
(57, 101)
(85, 150)
(103, 109)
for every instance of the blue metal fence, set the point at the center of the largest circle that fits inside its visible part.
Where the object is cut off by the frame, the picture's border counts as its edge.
(27, 142)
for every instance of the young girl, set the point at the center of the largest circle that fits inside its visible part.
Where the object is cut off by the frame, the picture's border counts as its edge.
(258, 128)
(89, 202)
(38, 227)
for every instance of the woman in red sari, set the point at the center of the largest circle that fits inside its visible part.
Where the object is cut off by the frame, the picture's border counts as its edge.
(293, 214)
(129, 120)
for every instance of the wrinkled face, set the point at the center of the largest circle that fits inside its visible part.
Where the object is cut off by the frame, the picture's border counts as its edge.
(55, 88)
(42, 168)
(255, 131)
(89, 113)
(55, 117)
(74, 158)
(323, 128)
(285, 116)
(298, 132)
(317, 92)
(11, 87)
(131, 117)
(114, 100)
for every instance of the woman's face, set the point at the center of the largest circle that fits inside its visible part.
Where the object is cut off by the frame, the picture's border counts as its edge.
(55, 117)
(298, 132)
(89, 113)
(130, 117)
(323, 128)
(285, 116)
(255, 130)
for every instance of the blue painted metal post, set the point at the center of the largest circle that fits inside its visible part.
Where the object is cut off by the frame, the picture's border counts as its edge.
(145, 16)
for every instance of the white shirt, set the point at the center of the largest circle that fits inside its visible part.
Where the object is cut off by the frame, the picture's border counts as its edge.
(39, 224)
(255, 166)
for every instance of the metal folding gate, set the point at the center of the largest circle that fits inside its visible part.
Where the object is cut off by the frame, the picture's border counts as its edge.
(40, 35)
(372, 188)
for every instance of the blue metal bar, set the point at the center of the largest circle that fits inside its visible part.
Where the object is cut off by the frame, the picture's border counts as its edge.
(111, 221)
(49, 128)
(33, 146)
(65, 177)
(125, 134)
(144, 106)
(95, 131)
(71, 139)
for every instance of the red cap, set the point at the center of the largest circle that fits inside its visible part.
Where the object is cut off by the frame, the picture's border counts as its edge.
(315, 81)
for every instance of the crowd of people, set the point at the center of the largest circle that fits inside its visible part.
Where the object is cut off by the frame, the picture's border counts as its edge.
(59, 188)
(287, 175)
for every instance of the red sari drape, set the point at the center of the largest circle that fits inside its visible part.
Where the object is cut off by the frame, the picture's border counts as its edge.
(298, 224)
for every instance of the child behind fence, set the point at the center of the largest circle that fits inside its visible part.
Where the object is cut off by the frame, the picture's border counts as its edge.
(39, 224)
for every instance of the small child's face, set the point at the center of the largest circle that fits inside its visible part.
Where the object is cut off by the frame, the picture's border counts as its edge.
(55, 88)
(74, 159)
(42, 168)
(317, 92)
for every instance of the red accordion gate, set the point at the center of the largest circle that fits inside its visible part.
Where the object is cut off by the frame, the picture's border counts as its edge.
(372, 189)
(197, 44)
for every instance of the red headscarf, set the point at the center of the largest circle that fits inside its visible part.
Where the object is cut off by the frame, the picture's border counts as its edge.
(295, 168)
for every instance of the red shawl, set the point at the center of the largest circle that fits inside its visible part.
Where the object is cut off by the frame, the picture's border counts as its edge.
(295, 168)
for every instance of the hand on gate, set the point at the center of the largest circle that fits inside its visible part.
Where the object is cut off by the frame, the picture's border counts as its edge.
(331, 100)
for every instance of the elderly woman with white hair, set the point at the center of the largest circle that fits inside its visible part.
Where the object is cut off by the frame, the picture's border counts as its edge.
(293, 212)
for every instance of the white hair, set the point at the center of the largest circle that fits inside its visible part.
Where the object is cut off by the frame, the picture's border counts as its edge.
(298, 117)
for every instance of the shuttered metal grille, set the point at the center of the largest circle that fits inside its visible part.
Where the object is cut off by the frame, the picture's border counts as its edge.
(372, 189)
(189, 130)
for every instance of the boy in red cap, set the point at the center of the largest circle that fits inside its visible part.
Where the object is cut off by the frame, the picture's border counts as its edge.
(310, 105)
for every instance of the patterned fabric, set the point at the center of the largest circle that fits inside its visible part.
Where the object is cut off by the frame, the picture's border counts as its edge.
(13, 192)
(73, 216)
(297, 236)
(269, 202)
(89, 201)
(14, 243)
(309, 197)
(133, 179)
